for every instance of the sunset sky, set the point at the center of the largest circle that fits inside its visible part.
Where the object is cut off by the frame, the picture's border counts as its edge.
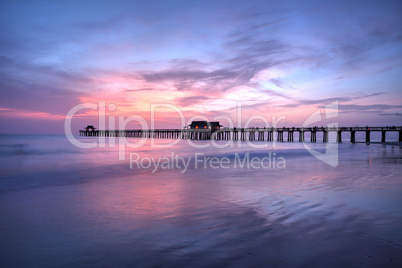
(286, 58)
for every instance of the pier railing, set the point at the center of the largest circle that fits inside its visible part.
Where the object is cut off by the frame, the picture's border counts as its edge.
(251, 134)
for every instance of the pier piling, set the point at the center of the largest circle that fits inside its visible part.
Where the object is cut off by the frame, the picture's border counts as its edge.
(383, 135)
(367, 135)
(339, 136)
(313, 137)
(352, 136)
(301, 136)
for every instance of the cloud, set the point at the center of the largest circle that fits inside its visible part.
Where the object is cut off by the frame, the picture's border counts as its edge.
(190, 76)
(11, 69)
(38, 88)
(217, 80)
(139, 89)
(13, 113)
(394, 114)
(275, 93)
(188, 101)
(277, 82)
(38, 98)
(355, 107)
(328, 100)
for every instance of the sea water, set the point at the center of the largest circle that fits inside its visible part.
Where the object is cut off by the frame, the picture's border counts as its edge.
(64, 206)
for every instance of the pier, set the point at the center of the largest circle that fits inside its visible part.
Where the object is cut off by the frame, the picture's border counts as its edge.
(250, 134)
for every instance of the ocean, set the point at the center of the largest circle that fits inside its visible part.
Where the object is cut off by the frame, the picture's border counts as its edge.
(205, 204)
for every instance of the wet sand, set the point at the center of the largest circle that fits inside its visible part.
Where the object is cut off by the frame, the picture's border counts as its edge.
(101, 213)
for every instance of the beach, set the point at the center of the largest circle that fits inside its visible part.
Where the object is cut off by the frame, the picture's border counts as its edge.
(63, 206)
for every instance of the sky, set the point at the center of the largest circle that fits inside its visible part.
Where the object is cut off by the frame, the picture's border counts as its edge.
(274, 59)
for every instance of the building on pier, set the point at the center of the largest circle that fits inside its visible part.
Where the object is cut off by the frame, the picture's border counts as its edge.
(90, 128)
(205, 125)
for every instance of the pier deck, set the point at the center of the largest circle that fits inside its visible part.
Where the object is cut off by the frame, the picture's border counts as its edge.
(251, 134)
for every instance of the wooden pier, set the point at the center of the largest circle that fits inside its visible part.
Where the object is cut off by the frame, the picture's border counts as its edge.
(251, 134)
